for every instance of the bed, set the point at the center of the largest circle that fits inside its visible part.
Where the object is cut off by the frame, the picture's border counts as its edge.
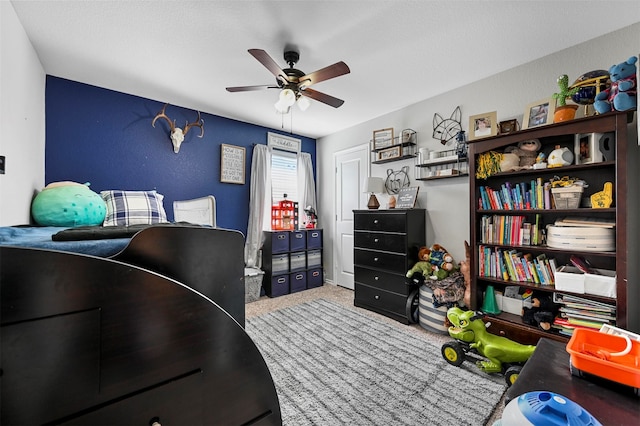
(153, 333)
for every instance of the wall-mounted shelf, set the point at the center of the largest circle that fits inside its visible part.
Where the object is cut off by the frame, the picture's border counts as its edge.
(445, 164)
(399, 148)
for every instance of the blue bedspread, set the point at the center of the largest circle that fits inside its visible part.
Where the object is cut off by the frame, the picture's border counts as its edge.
(40, 237)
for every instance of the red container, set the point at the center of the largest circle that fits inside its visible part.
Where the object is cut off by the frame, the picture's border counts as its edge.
(591, 352)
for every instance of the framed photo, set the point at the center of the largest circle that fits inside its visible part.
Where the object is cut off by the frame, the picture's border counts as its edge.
(232, 164)
(382, 138)
(483, 125)
(390, 153)
(539, 113)
(586, 149)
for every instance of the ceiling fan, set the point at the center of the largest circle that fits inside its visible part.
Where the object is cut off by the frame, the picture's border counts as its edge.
(294, 84)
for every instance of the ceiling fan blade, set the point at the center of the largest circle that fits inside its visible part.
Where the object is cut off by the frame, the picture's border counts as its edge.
(322, 97)
(249, 88)
(332, 71)
(266, 60)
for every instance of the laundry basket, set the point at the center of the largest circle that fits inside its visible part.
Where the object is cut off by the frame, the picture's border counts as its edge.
(431, 318)
(253, 284)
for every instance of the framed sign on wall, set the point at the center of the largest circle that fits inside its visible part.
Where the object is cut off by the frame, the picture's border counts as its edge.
(232, 164)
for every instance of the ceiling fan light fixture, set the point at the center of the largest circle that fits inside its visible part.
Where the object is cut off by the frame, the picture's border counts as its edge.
(303, 103)
(287, 97)
(281, 108)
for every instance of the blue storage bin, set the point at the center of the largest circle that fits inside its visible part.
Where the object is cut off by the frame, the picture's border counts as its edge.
(314, 278)
(279, 286)
(314, 238)
(279, 242)
(298, 240)
(298, 281)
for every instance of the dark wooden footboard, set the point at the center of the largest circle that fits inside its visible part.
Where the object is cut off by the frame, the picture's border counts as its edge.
(209, 260)
(97, 341)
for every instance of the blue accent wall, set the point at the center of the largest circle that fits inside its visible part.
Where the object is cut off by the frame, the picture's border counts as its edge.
(105, 137)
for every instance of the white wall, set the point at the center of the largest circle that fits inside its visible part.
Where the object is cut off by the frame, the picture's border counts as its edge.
(508, 93)
(22, 119)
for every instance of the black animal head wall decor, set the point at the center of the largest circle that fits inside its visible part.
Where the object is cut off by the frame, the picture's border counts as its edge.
(397, 180)
(446, 129)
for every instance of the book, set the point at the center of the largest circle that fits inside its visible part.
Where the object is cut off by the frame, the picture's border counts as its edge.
(586, 222)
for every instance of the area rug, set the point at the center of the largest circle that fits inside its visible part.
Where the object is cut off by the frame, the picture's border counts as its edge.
(333, 365)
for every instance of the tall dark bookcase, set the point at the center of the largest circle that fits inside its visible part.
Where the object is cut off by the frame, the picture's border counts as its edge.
(620, 168)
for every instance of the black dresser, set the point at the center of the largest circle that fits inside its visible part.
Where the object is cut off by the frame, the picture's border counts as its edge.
(386, 244)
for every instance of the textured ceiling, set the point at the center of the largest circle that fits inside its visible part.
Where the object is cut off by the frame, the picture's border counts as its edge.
(399, 52)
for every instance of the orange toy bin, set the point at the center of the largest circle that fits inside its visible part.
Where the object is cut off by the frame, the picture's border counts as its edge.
(605, 355)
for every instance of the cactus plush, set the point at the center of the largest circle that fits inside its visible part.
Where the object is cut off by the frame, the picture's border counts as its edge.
(565, 92)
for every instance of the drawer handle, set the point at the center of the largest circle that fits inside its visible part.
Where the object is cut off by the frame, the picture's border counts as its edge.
(282, 237)
(376, 297)
(376, 278)
(375, 221)
(375, 240)
(315, 234)
(375, 259)
(299, 277)
(281, 280)
(299, 236)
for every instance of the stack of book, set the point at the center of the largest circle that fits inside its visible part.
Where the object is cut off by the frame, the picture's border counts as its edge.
(512, 265)
(516, 196)
(510, 230)
(578, 312)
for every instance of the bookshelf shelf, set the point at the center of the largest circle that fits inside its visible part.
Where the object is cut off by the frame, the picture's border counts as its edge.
(499, 231)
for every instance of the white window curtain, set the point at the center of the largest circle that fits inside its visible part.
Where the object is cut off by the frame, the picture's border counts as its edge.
(259, 203)
(306, 185)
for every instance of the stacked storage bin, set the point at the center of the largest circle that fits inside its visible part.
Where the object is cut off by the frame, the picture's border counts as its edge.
(292, 261)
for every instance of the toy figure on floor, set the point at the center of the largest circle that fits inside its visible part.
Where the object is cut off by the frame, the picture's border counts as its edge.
(468, 327)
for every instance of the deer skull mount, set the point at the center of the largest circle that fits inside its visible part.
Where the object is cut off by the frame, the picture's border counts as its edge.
(176, 133)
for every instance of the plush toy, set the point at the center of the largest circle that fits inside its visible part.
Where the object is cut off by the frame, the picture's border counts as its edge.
(622, 95)
(525, 155)
(541, 313)
(68, 204)
(434, 263)
(442, 262)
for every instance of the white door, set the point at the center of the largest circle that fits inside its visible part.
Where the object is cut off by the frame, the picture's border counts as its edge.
(352, 167)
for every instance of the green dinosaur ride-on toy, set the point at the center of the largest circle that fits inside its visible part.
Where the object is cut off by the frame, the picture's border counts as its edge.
(491, 353)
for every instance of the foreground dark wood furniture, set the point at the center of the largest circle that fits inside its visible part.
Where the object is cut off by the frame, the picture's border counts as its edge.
(548, 370)
(86, 340)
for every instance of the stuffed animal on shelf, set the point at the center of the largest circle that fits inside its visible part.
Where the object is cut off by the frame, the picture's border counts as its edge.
(623, 93)
(560, 156)
(521, 157)
(541, 313)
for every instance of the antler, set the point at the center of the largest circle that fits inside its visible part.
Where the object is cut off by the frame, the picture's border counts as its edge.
(161, 114)
(198, 123)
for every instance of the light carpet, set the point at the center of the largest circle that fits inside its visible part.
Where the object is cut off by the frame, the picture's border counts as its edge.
(333, 365)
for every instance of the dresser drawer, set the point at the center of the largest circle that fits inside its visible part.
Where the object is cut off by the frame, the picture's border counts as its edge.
(387, 281)
(388, 222)
(391, 262)
(381, 241)
(380, 299)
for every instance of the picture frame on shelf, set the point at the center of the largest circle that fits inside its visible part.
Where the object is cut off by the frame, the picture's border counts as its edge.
(586, 149)
(539, 113)
(382, 138)
(483, 125)
(390, 153)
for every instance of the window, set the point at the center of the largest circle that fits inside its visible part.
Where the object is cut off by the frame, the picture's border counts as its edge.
(284, 176)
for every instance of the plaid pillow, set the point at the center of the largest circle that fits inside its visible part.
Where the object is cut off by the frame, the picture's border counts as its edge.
(133, 207)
